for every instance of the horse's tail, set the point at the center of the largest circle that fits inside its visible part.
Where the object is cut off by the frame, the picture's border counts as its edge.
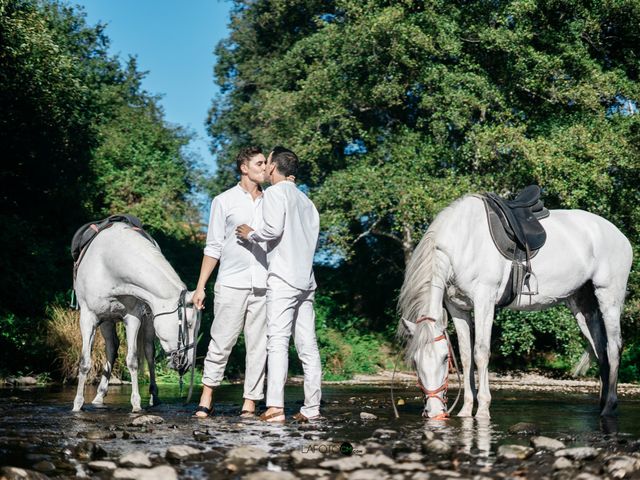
(140, 342)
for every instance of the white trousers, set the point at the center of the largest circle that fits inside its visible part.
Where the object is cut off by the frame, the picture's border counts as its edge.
(233, 309)
(290, 310)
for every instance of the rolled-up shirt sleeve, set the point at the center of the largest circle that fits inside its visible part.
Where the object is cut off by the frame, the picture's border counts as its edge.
(273, 212)
(215, 233)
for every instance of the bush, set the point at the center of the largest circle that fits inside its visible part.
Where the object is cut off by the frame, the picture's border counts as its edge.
(64, 337)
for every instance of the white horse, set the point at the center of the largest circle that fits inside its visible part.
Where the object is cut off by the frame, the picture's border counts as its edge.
(124, 277)
(584, 264)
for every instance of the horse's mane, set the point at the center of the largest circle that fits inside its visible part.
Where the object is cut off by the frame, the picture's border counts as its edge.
(423, 268)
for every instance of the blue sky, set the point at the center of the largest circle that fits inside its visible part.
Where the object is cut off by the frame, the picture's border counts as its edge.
(174, 42)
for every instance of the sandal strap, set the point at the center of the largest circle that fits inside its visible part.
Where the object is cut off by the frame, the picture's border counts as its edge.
(202, 408)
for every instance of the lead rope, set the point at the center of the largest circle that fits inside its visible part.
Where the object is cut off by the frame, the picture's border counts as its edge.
(393, 401)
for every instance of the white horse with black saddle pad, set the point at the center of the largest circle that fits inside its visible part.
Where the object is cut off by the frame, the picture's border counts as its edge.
(584, 264)
(123, 276)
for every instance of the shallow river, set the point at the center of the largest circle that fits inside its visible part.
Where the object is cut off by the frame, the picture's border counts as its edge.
(38, 425)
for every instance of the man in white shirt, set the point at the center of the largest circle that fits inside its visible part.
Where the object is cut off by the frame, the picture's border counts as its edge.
(290, 227)
(240, 289)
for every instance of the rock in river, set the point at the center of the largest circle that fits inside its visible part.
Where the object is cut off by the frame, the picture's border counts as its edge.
(137, 459)
(577, 453)
(178, 453)
(367, 416)
(514, 452)
(546, 443)
(524, 428)
(163, 472)
(247, 456)
(147, 420)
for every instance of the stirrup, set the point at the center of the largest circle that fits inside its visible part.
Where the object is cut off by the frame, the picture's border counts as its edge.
(530, 282)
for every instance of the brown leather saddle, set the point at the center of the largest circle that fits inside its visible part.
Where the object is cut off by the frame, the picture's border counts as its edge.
(517, 234)
(88, 232)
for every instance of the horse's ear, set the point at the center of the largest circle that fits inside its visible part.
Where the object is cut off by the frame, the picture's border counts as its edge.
(188, 298)
(410, 326)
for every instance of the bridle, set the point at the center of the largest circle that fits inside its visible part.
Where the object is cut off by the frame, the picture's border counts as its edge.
(180, 355)
(440, 393)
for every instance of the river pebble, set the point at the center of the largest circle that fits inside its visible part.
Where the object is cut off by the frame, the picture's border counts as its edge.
(15, 473)
(365, 474)
(98, 435)
(408, 466)
(147, 420)
(102, 465)
(436, 447)
(374, 460)
(177, 453)
(87, 450)
(267, 475)
(621, 466)
(163, 472)
(562, 463)
(546, 443)
(246, 456)
(384, 434)
(136, 459)
(318, 473)
(577, 453)
(514, 452)
(45, 466)
(367, 416)
(307, 458)
(524, 428)
(343, 464)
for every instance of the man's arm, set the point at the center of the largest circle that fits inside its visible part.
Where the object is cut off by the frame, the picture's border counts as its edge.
(273, 212)
(206, 269)
(212, 250)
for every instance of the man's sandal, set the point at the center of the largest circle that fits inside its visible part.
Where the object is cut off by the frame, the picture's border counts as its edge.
(247, 413)
(300, 418)
(202, 408)
(270, 417)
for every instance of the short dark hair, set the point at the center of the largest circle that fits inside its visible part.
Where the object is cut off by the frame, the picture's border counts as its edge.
(245, 155)
(286, 161)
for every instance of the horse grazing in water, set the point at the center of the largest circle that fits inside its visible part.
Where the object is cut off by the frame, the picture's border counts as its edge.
(457, 269)
(123, 276)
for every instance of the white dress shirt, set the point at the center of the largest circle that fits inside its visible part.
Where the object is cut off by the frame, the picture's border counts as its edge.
(242, 264)
(290, 226)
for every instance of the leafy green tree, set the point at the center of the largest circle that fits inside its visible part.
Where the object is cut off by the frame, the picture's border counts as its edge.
(80, 139)
(396, 108)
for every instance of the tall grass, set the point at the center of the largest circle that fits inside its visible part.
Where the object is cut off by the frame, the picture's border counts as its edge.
(64, 337)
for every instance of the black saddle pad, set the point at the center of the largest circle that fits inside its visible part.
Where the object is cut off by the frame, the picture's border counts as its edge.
(86, 233)
(515, 225)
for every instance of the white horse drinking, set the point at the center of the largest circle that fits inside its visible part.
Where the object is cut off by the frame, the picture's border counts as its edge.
(584, 264)
(124, 277)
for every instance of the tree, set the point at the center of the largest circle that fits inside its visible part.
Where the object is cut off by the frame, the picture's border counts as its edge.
(396, 108)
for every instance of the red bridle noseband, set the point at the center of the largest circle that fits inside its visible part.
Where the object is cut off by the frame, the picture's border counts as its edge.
(445, 384)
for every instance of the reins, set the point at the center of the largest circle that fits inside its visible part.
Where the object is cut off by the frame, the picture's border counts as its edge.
(444, 387)
(179, 356)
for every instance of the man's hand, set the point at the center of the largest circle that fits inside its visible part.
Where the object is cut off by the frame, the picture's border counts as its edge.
(243, 231)
(198, 299)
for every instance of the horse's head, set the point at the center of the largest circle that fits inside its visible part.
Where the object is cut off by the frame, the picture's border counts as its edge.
(177, 331)
(428, 349)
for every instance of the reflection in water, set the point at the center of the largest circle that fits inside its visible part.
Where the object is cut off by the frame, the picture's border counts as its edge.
(609, 425)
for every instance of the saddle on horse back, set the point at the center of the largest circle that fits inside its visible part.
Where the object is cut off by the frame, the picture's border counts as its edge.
(88, 232)
(517, 233)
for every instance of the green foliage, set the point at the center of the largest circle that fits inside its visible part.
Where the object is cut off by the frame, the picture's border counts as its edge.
(396, 108)
(80, 140)
(549, 339)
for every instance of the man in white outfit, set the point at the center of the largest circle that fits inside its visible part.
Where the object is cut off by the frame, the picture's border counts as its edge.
(290, 227)
(240, 289)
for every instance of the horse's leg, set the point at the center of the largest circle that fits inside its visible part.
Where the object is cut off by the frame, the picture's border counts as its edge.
(584, 306)
(132, 324)
(462, 322)
(111, 342)
(483, 311)
(610, 301)
(88, 322)
(150, 354)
